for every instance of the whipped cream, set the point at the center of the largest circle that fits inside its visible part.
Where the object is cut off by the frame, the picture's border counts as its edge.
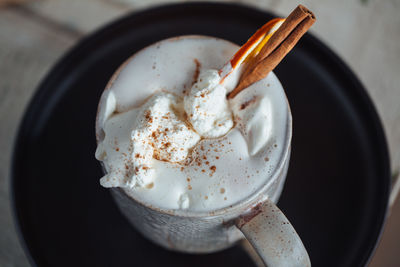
(160, 133)
(167, 127)
(207, 107)
(215, 152)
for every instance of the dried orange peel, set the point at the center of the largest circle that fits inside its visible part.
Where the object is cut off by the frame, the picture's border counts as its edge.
(251, 48)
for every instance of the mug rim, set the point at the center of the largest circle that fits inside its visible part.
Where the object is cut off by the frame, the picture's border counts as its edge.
(246, 202)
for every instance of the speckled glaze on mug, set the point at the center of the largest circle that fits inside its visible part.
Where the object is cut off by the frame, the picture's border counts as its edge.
(214, 230)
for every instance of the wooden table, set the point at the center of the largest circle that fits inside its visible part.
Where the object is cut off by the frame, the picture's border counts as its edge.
(33, 36)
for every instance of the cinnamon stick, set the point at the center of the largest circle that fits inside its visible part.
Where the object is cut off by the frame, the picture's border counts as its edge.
(276, 48)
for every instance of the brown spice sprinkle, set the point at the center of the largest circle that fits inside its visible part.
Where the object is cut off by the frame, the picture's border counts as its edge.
(188, 179)
(213, 168)
(150, 186)
(189, 187)
(206, 197)
(148, 117)
(197, 70)
(248, 103)
(266, 159)
(222, 190)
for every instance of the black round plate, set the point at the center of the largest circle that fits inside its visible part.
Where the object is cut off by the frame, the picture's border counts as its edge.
(336, 191)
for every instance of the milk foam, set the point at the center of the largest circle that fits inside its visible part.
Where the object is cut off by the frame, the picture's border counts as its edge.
(224, 170)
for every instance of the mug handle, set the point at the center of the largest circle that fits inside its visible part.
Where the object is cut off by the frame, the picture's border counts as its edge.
(272, 236)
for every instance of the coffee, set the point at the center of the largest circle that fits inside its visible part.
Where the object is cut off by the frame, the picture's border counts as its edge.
(205, 168)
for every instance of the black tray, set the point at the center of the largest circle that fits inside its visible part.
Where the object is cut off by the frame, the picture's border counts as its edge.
(337, 188)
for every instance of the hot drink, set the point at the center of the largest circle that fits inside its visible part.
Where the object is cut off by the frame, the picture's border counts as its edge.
(194, 136)
(169, 137)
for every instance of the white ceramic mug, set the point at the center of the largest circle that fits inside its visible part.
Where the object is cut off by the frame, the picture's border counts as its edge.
(255, 218)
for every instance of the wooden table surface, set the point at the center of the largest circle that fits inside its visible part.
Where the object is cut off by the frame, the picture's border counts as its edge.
(35, 34)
